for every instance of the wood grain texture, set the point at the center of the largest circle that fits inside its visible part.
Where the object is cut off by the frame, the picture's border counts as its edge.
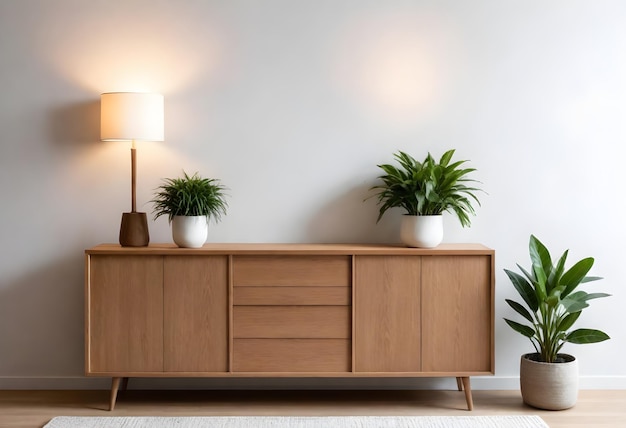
(331, 322)
(330, 271)
(371, 375)
(230, 313)
(115, 384)
(292, 249)
(468, 392)
(33, 409)
(125, 322)
(287, 310)
(195, 313)
(87, 313)
(387, 314)
(302, 296)
(456, 313)
(291, 355)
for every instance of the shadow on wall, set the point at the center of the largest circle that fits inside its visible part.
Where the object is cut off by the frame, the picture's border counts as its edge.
(349, 218)
(41, 321)
(72, 126)
(308, 383)
(87, 174)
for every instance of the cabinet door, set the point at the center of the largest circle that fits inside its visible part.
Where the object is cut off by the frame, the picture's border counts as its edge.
(125, 314)
(196, 313)
(387, 314)
(457, 314)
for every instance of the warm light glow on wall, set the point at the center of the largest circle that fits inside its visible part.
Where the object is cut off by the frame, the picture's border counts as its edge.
(398, 72)
(134, 57)
(396, 67)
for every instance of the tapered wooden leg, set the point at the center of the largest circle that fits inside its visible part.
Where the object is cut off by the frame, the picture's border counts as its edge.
(459, 384)
(468, 392)
(115, 384)
(124, 386)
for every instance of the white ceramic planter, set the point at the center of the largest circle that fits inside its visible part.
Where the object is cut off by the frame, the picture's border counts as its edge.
(424, 231)
(551, 386)
(190, 231)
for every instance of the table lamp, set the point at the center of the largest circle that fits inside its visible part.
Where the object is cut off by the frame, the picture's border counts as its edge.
(132, 116)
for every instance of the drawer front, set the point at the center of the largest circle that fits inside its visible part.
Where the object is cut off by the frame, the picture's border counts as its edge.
(292, 271)
(291, 355)
(304, 296)
(330, 322)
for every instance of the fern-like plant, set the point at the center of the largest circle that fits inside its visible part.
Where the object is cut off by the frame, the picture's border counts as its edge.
(428, 187)
(190, 196)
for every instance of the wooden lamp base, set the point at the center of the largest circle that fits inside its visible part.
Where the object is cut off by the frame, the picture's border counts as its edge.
(134, 230)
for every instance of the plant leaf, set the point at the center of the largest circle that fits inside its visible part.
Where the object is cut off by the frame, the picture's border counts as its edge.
(520, 309)
(591, 278)
(445, 159)
(574, 276)
(578, 301)
(524, 289)
(520, 328)
(585, 335)
(555, 276)
(568, 321)
(540, 256)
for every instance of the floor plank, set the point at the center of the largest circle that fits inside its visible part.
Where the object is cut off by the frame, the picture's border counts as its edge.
(602, 409)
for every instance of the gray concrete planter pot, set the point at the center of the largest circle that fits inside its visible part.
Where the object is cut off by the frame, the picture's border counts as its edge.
(551, 386)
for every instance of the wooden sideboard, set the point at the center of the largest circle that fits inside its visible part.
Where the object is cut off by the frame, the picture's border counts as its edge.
(289, 310)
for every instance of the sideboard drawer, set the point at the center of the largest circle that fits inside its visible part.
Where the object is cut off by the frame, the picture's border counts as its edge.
(329, 322)
(330, 271)
(291, 355)
(292, 296)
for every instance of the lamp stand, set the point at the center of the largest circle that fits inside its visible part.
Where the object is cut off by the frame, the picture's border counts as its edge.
(134, 227)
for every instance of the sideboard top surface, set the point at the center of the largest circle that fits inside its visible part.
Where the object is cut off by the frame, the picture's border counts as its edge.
(292, 249)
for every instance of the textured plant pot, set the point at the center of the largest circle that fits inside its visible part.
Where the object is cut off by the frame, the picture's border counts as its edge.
(550, 386)
(423, 231)
(190, 231)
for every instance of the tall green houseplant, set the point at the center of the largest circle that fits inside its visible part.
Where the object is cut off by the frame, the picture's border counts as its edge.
(551, 302)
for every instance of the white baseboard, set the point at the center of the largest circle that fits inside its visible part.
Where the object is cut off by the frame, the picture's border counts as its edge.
(478, 383)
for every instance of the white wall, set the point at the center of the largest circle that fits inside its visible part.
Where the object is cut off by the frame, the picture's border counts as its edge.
(292, 104)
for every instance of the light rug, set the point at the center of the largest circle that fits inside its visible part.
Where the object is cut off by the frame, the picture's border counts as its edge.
(300, 422)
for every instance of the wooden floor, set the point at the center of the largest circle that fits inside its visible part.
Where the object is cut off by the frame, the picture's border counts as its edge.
(602, 409)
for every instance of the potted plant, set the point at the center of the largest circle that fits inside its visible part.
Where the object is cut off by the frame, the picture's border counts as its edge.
(552, 305)
(425, 190)
(189, 203)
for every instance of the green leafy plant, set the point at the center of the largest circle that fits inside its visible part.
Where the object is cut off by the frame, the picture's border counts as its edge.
(552, 303)
(428, 187)
(190, 196)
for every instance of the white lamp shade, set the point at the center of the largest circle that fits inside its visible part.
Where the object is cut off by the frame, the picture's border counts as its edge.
(127, 116)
